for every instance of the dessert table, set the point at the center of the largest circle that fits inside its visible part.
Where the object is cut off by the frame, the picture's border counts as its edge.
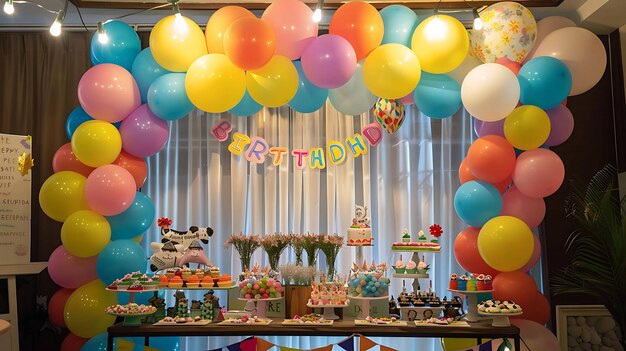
(478, 330)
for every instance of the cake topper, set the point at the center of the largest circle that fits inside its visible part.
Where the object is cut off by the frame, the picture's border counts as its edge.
(361, 220)
(183, 237)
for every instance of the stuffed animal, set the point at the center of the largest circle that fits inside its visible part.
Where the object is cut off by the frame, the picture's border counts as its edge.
(184, 238)
(165, 258)
(194, 254)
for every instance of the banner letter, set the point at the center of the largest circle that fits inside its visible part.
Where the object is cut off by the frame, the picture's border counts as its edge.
(357, 145)
(336, 152)
(299, 154)
(257, 150)
(277, 154)
(221, 130)
(317, 158)
(373, 133)
(239, 142)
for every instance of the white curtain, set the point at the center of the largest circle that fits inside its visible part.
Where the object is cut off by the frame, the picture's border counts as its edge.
(407, 181)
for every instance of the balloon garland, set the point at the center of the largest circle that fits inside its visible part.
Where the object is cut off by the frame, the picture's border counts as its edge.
(241, 63)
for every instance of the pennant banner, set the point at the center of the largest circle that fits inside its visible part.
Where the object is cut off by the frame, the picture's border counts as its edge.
(347, 344)
(386, 348)
(248, 344)
(365, 343)
(263, 345)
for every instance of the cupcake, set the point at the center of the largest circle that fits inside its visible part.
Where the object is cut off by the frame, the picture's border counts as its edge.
(399, 266)
(488, 284)
(406, 237)
(170, 273)
(151, 284)
(176, 282)
(463, 283)
(422, 268)
(163, 281)
(143, 278)
(419, 303)
(193, 281)
(214, 273)
(186, 273)
(421, 237)
(207, 282)
(135, 286)
(123, 285)
(225, 281)
(480, 282)
(403, 300)
(199, 273)
(411, 267)
(471, 285)
(454, 284)
(113, 286)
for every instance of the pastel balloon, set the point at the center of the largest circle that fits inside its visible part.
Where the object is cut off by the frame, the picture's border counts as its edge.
(360, 24)
(516, 286)
(118, 258)
(145, 69)
(137, 167)
(56, 306)
(219, 22)
(440, 43)
(467, 255)
(538, 173)
(490, 92)
(249, 43)
(77, 117)
(476, 202)
(135, 220)
(167, 97)
(465, 175)
(309, 97)
(73, 343)
(527, 127)
(353, 98)
(143, 133)
(391, 71)
(514, 66)
(246, 107)
(329, 61)
(581, 51)
(96, 143)
(531, 210)
(535, 257)
(62, 194)
(505, 231)
(274, 84)
(84, 310)
(561, 125)
(176, 42)
(491, 158)
(65, 160)
(110, 190)
(215, 73)
(469, 63)
(121, 48)
(85, 233)
(546, 26)
(70, 271)
(389, 114)
(293, 26)
(544, 82)
(400, 23)
(488, 128)
(437, 95)
(408, 99)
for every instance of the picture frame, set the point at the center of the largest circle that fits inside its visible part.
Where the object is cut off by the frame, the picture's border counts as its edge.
(565, 311)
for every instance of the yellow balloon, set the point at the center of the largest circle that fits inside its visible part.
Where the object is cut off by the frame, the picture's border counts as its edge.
(96, 143)
(176, 42)
(391, 71)
(274, 84)
(527, 127)
(506, 243)
(84, 310)
(137, 239)
(62, 194)
(85, 233)
(455, 344)
(440, 43)
(214, 84)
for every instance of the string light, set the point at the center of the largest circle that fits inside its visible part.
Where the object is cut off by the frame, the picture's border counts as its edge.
(55, 28)
(179, 22)
(317, 14)
(435, 29)
(8, 7)
(478, 22)
(103, 38)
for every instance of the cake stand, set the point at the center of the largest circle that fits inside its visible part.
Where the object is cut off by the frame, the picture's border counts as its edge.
(500, 319)
(472, 303)
(260, 305)
(365, 306)
(131, 297)
(132, 320)
(329, 310)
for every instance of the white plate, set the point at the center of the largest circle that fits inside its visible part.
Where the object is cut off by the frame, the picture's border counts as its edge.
(296, 322)
(200, 322)
(397, 323)
(261, 322)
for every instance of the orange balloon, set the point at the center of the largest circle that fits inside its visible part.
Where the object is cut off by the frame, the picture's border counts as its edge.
(65, 160)
(360, 24)
(465, 175)
(538, 311)
(135, 165)
(249, 43)
(491, 158)
(467, 255)
(219, 23)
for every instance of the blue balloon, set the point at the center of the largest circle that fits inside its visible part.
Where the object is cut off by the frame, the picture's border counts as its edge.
(135, 220)
(121, 48)
(246, 107)
(400, 23)
(145, 70)
(77, 117)
(167, 97)
(437, 95)
(476, 202)
(309, 97)
(544, 82)
(118, 258)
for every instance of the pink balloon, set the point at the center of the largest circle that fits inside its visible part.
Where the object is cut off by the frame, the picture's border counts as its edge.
(536, 336)
(538, 173)
(110, 190)
(408, 100)
(70, 271)
(65, 160)
(482, 128)
(329, 61)
(536, 255)
(292, 22)
(143, 133)
(531, 210)
(561, 125)
(514, 66)
(546, 26)
(108, 92)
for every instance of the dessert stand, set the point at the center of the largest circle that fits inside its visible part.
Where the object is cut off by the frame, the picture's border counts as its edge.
(500, 319)
(132, 320)
(329, 310)
(365, 304)
(260, 305)
(472, 303)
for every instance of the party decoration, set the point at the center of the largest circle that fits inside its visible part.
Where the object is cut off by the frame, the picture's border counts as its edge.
(73, 343)
(466, 252)
(440, 43)
(110, 190)
(528, 209)
(56, 306)
(257, 150)
(121, 48)
(137, 167)
(65, 160)
(546, 26)
(246, 107)
(145, 70)
(176, 42)
(490, 92)
(509, 30)
(544, 82)
(539, 313)
(293, 26)
(437, 95)
(143, 133)
(336, 151)
(582, 52)
(195, 254)
(535, 335)
(360, 24)
(85, 233)
(469, 63)
(135, 220)
(96, 143)
(249, 43)
(491, 158)
(239, 142)
(70, 271)
(217, 74)
(274, 84)
(77, 117)
(400, 23)
(391, 71)
(316, 159)
(561, 125)
(476, 202)
(120, 257)
(108, 92)
(84, 310)
(527, 127)
(488, 128)
(62, 194)
(299, 154)
(505, 231)
(514, 66)
(389, 114)
(408, 99)
(353, 98)
(329, 61)
(167, 98)
(166, 257)
(221, 130)
(538, 173)
(184, 238)
(373, 133)
(516, 286)
(534, 259)
(218, 24)
(465, 175)
(277, 154)
(309, 97)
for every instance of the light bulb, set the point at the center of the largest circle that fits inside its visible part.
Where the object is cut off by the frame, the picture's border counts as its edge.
(179, 23)
(317, 15)
(435, 29)
(478, 23)
(103, 38)
(55, 28)
(8, 7)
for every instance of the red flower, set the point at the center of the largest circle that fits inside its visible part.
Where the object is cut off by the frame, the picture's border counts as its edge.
(164, 222)
(435, 230)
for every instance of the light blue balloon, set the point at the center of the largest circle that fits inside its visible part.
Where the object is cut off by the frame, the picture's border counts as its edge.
(476, 202)
(135, 220)
(544, 82)
(167, 97)
(246, 107)
(145, 70)
(400, 23)
(77, 117)
(121, 48)
(309, 97)
(118, 258)
(437, 95)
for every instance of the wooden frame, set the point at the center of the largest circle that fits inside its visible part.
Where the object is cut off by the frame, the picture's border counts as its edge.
(564, 311)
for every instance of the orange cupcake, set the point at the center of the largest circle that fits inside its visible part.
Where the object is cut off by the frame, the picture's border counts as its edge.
(207, 282)
(193, 281)
(163, 281)
(176, 282)
(225, 281)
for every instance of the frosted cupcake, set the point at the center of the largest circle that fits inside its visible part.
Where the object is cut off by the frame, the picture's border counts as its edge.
(422, 267)
(411, 267)
(186, 273)
(399, 266)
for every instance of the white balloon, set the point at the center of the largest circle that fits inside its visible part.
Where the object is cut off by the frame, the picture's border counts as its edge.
(546, 26)
(490, 92)
(353, 98)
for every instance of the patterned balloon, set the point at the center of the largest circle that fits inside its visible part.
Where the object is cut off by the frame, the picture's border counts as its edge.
(389, 114)
(509, 31)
